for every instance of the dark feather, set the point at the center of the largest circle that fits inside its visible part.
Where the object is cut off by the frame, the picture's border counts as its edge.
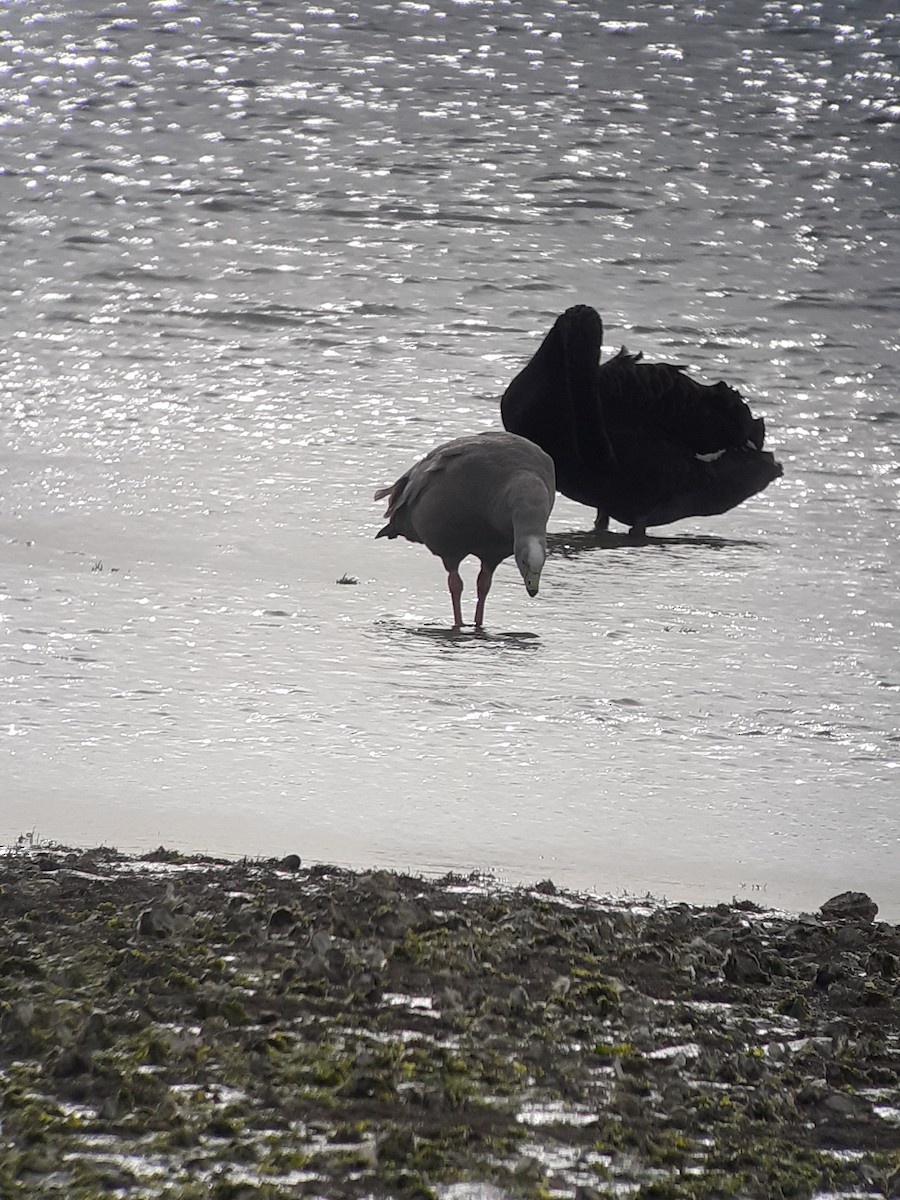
(642, 442)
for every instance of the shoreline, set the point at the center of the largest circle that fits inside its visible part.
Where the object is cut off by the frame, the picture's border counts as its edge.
(183, 1026)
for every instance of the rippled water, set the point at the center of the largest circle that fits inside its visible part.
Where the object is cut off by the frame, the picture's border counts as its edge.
(259, 257)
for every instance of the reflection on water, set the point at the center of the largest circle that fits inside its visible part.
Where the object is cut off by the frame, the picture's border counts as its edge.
(581, 541)
(256, 263)
(452, 638)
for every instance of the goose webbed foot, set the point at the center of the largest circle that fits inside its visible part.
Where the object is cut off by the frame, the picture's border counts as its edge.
(637, 533)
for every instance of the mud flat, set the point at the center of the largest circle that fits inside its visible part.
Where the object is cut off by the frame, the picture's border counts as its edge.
(186, 1028)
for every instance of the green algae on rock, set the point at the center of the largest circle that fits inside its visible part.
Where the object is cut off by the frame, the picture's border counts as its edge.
(178, 1027)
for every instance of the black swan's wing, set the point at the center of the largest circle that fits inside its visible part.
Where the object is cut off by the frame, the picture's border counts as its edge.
(667, 403)
(682, 448)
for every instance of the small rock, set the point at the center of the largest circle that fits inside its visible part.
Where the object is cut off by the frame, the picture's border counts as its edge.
(70, 1063)
(518, 999)
(720, 936)
(528, 1168)
(850, 906)
(852, 937)
(826, 1103)
(743, 967)
(281, 918)
(396, 1146)
(796, 1007)
(243, 920)
(840, 1037)
(561, 987)
(829, 973)
(321, 942)
(290, 862)
(449, 1000)
(157, 921)
(40, 1159)
(336, 965)
(21, 1015)
(367, 1085)
(702, 953)
(886, 964)
(379, 886)
(163, 917)
(372, 956)
(367, 1152)
(393, 923)
(94, 1035)
(115, 1179)
(843, 1105)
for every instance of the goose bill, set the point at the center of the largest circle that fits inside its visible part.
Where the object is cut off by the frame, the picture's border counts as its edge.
(532, 580)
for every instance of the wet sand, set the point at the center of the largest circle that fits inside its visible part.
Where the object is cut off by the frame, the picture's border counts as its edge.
(187, 1027)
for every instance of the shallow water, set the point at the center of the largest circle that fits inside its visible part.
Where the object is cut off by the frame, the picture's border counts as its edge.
(257, 262)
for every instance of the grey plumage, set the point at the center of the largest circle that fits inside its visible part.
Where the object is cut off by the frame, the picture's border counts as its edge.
(489, 495)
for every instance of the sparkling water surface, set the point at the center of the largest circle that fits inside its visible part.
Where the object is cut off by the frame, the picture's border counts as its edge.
(258, 258)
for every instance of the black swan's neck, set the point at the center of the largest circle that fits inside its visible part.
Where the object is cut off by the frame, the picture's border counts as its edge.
(583, 341)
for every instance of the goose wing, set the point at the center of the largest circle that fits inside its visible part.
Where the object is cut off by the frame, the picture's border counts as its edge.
(403, 494)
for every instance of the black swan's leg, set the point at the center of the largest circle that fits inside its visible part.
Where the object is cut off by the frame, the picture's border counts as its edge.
(601, 521)
(455, 584)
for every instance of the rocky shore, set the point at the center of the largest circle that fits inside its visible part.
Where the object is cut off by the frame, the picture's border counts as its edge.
(187, 1028)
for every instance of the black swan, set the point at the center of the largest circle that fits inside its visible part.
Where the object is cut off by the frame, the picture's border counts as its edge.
(489, 495)
(641, 442)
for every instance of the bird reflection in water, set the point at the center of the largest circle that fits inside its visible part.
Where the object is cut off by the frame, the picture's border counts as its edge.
(454, 638)
(583, 541)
